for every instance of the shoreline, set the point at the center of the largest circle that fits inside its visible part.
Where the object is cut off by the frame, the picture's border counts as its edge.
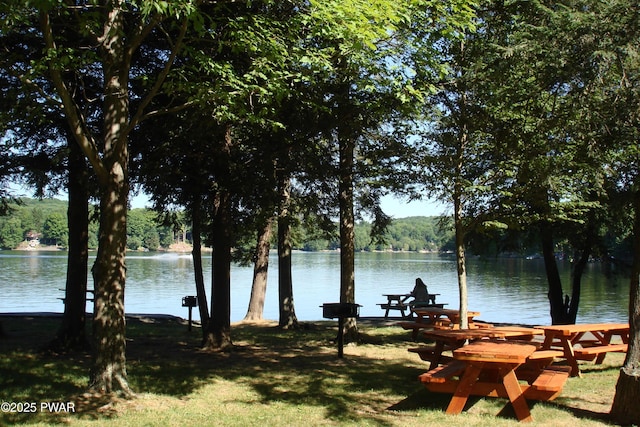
(176, 248)
(154, 317)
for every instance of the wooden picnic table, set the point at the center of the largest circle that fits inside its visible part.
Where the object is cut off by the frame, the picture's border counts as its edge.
(395, 302)
(587, 341)
(451, 339)
(488, 368)
(399, 302)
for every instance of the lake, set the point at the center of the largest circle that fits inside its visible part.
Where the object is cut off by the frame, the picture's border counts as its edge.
(503, 290)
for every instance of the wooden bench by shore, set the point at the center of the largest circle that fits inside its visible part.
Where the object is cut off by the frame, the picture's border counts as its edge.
(90, 296)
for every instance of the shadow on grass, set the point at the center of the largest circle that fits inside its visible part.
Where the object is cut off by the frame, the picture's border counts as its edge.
(295, 367)
(163, 358)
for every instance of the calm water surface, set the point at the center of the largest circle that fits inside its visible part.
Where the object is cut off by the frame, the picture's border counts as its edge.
(503, 290)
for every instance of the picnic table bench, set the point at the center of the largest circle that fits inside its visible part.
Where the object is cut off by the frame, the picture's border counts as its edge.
(488, 368)
(90, 295)
(586, 341)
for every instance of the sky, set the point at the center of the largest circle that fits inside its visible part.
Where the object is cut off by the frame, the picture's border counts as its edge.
(392, 206)
(400, 208)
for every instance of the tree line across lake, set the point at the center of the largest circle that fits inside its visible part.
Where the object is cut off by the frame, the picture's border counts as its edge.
(45, 221)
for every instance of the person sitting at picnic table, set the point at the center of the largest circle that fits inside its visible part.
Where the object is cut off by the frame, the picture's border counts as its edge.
(419, 293)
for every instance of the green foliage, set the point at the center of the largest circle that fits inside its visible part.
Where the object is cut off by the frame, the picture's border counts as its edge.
(31, 216)
(416, 234)
(404, 234)
(55, 230)
(11, 232)
(47, 220)
(140, 222)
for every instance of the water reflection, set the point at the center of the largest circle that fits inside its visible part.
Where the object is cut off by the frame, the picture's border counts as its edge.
(504, 290)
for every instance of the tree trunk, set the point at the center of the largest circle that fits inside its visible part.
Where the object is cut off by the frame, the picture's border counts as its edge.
(219, 328)
(461, 263)
(196, 254)
(287, 317)
(109, 373)
(557, 300)
(577, 272)
(71, 334)
(458, 191)
(347, 234)
(260, 270)
(578, 269)
(218, 336)
(109, 160)
(625, 409)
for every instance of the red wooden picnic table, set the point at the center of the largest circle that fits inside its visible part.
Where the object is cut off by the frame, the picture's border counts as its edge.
(586, 341)
(488, 368)
(399, 302)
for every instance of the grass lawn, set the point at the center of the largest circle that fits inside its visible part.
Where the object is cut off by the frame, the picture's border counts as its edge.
(271, 378)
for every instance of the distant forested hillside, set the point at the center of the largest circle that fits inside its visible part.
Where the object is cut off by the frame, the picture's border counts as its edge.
(404, 234)
(45, 221)
(33, 223)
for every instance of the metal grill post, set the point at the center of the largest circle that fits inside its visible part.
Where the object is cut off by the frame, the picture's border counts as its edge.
(341, 311)
(190, 301)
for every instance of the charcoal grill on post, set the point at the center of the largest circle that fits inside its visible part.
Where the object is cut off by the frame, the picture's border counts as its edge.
(341, 311)
(190, 301)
